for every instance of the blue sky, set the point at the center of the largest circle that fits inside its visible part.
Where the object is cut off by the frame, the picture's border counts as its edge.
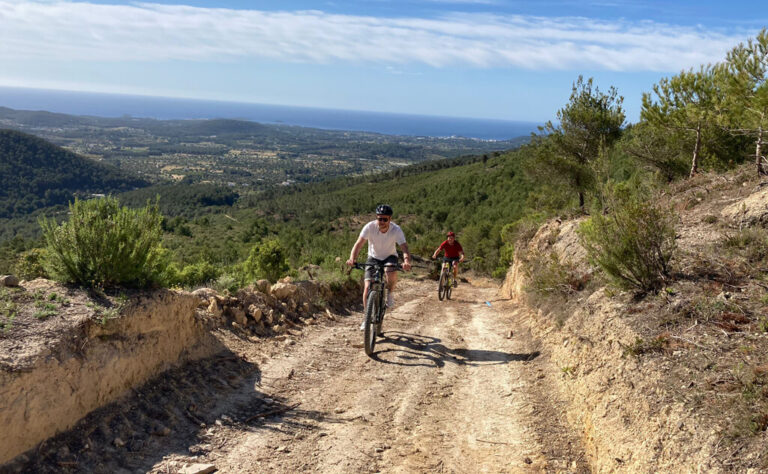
(500, 59)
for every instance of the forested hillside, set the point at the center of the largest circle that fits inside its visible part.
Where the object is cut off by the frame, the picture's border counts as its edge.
(35, 173)
(587, 161)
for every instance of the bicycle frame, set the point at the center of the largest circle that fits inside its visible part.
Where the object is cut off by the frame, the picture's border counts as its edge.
(375, 303)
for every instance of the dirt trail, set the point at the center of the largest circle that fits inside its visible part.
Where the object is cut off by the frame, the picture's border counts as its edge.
(448, 391)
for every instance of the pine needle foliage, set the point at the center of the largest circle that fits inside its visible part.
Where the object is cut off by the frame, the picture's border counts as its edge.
(634, 243)
(591, 121)
(106, 245)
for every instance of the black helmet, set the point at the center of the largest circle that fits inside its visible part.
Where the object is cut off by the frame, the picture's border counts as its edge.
(383, 210)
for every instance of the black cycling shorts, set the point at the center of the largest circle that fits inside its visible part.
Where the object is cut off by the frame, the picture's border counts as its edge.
(371, 271)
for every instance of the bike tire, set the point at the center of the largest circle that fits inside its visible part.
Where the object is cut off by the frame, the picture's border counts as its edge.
(448, 288)
(380, 319)
(371, 310)
(441, 285)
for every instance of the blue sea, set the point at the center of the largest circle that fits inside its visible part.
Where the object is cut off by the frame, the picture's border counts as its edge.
(111, 105)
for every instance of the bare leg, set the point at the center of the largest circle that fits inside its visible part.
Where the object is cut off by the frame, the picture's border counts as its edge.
(391, 281)
(455, 270)
(365, 294)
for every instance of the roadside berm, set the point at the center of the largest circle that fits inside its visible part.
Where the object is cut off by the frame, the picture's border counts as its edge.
(69, 352)
(673, 381)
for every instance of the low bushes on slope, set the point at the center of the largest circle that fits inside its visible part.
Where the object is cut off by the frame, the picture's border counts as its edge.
(634, 243)
(104, 244)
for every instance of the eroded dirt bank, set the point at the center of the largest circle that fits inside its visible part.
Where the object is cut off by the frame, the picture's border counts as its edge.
(451, 390)
(48, 382)
(68, 352)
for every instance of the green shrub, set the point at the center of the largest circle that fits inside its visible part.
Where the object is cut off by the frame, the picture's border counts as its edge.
(634, 243)
(266, 260)
(227, 282)
(30, 265)
(104, 244)
(197, 274)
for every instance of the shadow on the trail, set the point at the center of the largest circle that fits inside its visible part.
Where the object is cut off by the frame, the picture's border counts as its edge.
(427, 351)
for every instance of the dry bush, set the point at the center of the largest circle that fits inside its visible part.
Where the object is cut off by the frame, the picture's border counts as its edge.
(749, 243)
(548, 276)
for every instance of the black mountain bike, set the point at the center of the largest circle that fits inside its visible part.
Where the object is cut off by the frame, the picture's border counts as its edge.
(376, 304)
(445, 283)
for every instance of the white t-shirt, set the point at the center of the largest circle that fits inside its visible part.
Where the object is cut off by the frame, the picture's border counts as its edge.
(382, 245)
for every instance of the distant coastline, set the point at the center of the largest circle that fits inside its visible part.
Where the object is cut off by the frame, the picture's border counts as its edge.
(113, 105)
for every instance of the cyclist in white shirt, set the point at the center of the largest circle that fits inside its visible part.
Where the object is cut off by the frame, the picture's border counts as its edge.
(382, 236)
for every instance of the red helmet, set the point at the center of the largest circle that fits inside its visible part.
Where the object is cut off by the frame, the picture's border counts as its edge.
(451, 234)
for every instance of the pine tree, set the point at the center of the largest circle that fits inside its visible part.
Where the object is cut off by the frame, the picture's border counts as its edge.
(590, 121)
(746, 111)
(685, 103)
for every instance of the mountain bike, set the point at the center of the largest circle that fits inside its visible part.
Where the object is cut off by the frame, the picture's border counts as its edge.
(445, 283)
(376, 304)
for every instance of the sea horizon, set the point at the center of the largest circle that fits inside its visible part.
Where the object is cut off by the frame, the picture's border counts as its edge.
(166, 108)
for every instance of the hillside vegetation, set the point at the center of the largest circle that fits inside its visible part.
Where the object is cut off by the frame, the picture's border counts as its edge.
(580, 163)
(35, 173)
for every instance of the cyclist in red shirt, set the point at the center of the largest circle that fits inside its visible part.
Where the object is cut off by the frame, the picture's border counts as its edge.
(452, 250)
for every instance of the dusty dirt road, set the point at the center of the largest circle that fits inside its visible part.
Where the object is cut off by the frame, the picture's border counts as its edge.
(448, 391)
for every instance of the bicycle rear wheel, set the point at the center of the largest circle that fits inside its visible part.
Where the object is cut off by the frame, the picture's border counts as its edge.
(441, 285)
(371, 310)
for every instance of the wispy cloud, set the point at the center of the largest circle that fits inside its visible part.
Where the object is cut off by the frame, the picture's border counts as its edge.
(63, 30)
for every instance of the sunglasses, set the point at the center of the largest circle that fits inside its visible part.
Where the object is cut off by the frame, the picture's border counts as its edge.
(382, 219)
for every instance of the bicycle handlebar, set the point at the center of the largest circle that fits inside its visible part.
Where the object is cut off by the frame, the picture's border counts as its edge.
(362, 266)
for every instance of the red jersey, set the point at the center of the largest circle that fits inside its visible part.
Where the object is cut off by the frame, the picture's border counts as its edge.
(451, 251)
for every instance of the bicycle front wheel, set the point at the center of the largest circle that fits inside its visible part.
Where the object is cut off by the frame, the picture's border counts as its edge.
(371, 310)
(441, 285)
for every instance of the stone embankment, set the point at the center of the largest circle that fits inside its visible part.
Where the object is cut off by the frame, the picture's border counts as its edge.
(84, 358)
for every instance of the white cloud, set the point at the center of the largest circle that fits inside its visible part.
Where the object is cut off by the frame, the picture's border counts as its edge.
(62, 30)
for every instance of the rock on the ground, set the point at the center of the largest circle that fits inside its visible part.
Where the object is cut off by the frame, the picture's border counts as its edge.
(263, 286)
(9, 280)
(239, 315)
(205, 294)
(214, 308)
(283, 290)
(198, 469)
(749, 211)
(255, 312)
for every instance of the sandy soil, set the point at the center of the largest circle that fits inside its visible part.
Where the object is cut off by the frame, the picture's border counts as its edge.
(448, 391)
